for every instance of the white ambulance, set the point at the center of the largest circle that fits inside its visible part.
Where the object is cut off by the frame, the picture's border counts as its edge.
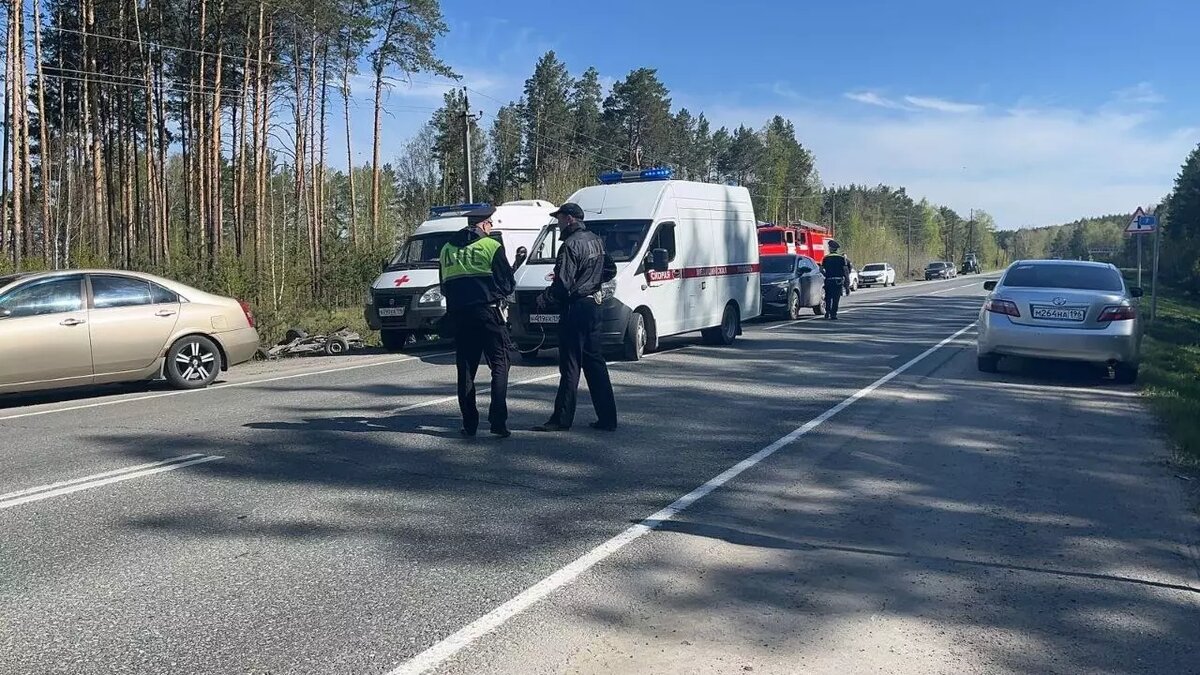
(406, 300)
(686, 255)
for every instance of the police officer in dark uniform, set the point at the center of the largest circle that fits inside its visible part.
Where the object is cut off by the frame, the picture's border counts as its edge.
(579, 269)
(476, 279)
(836, 268)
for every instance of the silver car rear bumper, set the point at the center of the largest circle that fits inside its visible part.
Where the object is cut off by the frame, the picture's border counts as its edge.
(1119, 341)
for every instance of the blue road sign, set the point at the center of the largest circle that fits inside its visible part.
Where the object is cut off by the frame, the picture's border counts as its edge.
(1147, 221)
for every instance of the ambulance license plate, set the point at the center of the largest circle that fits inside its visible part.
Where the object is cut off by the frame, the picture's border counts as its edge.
(391, 311)
(543, 318)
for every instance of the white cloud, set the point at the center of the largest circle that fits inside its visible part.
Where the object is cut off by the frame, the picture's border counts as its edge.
(1142, 93)
(1031, 165)
(942, 105)
(872, 98)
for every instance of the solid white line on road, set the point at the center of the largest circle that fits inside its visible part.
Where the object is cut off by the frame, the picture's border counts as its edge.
(219, 387)
(464, 637)
(106, 474)
(99, 480)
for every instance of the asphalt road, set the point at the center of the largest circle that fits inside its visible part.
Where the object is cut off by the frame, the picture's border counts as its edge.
(858, 499)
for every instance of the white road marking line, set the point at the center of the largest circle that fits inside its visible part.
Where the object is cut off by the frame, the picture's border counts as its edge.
(451, 645)
(97, 476)
(233, 385)
(100, 480)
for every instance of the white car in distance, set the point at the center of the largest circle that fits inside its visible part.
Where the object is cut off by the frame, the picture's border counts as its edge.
(877, 273)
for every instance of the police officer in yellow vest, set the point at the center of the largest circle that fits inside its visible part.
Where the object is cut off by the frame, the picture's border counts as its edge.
(476, 278)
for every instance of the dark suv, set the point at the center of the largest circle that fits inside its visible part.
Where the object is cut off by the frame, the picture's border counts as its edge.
(940, 270)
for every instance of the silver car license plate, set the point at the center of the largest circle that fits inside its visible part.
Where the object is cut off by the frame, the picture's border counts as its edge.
(1059, 313)
(391, 311)
(543, 318)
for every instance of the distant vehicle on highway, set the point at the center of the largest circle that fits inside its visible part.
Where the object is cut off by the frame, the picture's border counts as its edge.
(791, 284)
(83, 327)
(1062, 310)
(854, 281)
(803, 238)
(971, 264)
(940, 270)
(877, 274)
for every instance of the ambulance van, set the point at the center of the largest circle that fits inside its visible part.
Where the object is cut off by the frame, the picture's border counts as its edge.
(686, 255)
(405, 302)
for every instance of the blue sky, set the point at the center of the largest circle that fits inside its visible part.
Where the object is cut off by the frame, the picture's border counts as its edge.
(1038, 112)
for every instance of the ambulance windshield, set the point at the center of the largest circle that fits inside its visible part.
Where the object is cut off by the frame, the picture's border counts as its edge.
(622, 239)
(421, 250)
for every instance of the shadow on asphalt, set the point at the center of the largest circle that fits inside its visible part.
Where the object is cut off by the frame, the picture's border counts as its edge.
(949, 489)
(98, 393)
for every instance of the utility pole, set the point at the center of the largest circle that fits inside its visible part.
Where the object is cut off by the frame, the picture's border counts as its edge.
(833, 213)
(468, 119)
(908, 262)
(1154, 272)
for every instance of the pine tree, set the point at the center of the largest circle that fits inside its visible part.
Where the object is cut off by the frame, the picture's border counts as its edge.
(548, 122)
(586, 98)
(504, 175)
(638, 112)
(1184, 203)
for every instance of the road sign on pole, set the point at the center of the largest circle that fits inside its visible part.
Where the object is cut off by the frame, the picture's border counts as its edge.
(1142, 223)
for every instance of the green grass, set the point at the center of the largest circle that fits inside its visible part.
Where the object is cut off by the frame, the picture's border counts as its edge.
(1170, 373)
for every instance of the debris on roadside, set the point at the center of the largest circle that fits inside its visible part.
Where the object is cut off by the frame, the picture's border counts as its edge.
(297, 342)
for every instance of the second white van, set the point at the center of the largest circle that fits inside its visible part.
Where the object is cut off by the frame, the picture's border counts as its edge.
(686, 255)
(405, 301)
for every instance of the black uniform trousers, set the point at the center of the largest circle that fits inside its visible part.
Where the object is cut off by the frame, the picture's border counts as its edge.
(480, 332)
(834, 288)
(579, 349)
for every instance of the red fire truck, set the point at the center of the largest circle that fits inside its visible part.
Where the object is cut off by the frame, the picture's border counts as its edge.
(803, 238)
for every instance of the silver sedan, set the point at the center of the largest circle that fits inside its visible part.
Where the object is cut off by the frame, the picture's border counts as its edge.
(1061, 310)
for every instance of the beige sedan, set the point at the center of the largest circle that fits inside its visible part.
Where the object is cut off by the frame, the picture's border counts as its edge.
(82, 327)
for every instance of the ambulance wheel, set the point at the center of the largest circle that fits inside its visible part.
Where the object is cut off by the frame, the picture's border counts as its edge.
(818, 309)
(394, 340)
(727, 332)
(637, 336)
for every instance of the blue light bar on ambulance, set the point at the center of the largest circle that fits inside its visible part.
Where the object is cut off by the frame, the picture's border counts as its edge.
(658, 173)
(455, 209)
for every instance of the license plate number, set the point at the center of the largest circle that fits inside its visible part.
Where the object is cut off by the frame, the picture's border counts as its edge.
(391, 311)
(1059, 313)
(543, 318)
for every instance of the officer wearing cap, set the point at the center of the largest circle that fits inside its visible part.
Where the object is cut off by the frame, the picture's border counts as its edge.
(580, 268)
(836, 268)
(476, 279)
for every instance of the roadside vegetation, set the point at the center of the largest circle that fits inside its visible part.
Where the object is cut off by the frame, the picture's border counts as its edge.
(206, 142)
(1171, 370)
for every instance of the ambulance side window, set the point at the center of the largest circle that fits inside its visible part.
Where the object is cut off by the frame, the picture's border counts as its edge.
(664, 237)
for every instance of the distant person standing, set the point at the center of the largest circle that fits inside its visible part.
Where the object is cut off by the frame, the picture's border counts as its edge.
(580, 267)
(476, 279)
(836, 268)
